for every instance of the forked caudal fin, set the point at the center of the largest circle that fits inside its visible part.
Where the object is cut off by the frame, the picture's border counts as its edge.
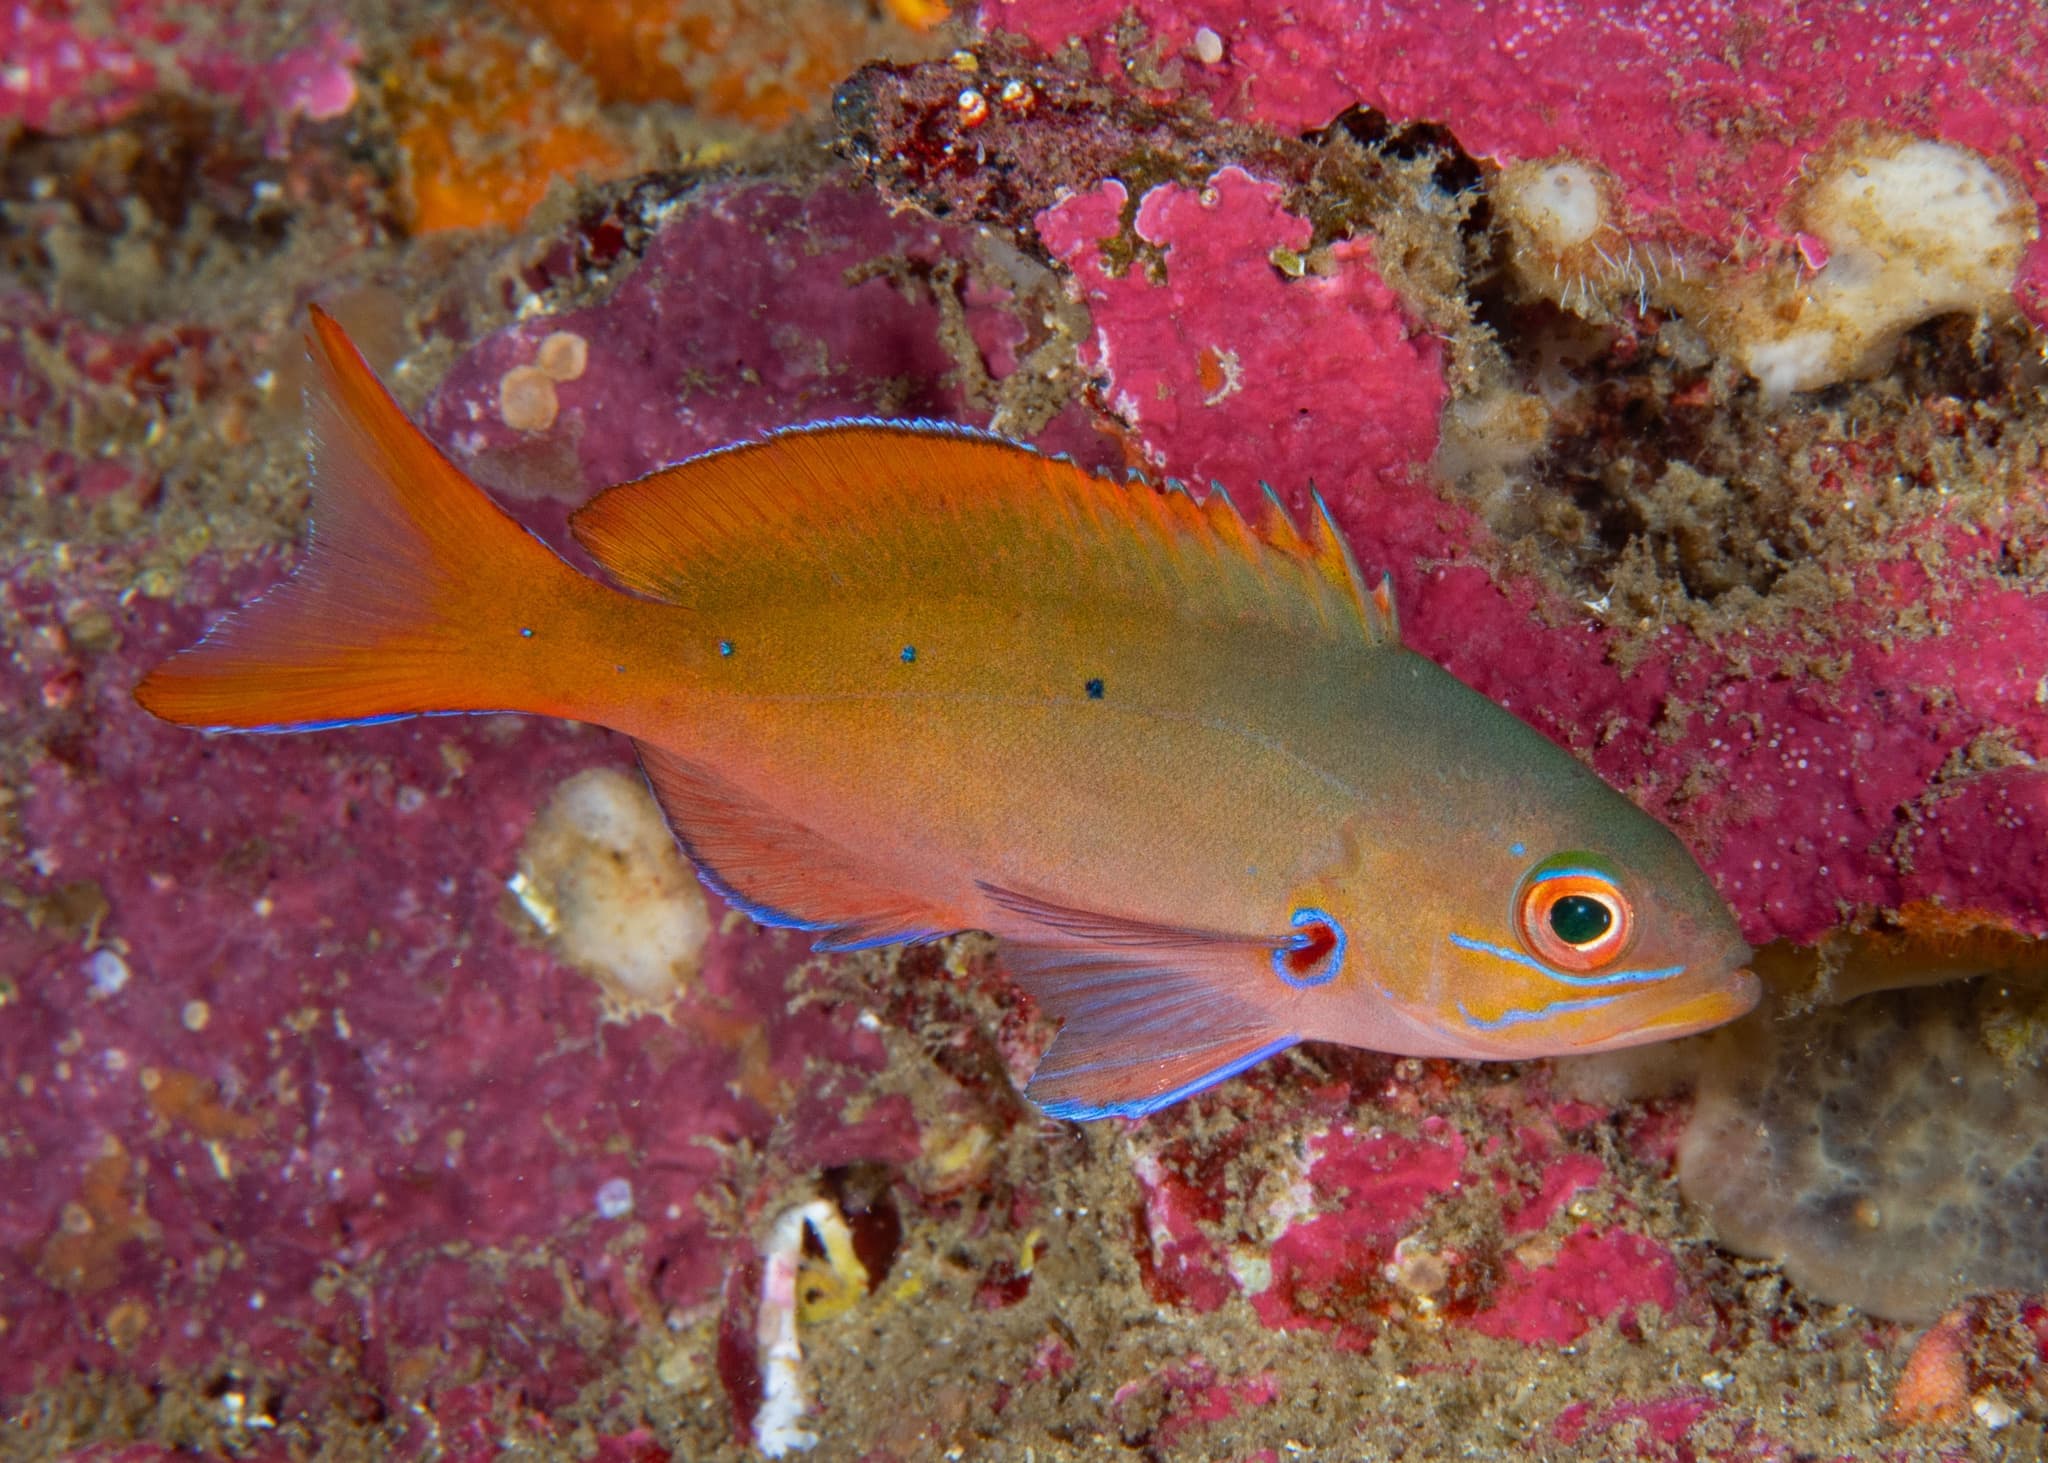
(418, 593)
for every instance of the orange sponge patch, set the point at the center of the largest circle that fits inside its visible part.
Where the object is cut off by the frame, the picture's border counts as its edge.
(488, 125)
(761, 64)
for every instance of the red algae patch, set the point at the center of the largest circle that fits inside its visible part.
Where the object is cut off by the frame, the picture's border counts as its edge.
(1194, 357)
(1555, 1294)
(1329, 1269)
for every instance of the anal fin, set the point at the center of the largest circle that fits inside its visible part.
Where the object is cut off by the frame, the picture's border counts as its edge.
(777, 871)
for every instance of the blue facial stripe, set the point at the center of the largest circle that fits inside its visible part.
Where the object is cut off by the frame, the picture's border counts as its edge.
(1513, 1017)
(1333, 963)
(1589, 982)
(1075, 1110)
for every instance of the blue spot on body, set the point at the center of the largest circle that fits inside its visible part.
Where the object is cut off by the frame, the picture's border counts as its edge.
(1518, 849)
(725, 648)
(910, 655)
(1316, 955)
(526, 632)
(1094, 689)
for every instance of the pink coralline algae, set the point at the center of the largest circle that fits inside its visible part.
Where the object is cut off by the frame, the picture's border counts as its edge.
(1189, 358)
(1707, 110)
(1367, 1231)
(877, 351)
(1669, 1429)
(1592, 1276)
(1192, 1397)
(1327, 1270)
(63, 70)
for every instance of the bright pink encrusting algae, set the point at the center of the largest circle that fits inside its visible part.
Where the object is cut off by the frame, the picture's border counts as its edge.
(1368, 1227)
(1339, 350)
(1706, 110)
(67, 69)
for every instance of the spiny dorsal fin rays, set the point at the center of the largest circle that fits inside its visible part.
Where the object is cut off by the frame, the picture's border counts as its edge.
(1277, 525)
(1327, 549)
(1383, 602)
(1333, 557)
(1232, 536)
(862, 507)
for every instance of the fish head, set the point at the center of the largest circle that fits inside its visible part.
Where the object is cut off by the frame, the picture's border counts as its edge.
(1528, 909)
(1589, 950)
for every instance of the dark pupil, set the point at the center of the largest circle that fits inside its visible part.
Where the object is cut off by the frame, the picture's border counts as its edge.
(1578, 919)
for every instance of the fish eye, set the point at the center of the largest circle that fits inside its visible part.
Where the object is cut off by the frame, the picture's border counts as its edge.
(1573, 915)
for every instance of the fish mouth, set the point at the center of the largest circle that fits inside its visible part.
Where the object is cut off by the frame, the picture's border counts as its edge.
(1733, 994)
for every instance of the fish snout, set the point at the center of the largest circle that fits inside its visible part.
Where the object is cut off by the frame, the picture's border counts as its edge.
(1728, 995)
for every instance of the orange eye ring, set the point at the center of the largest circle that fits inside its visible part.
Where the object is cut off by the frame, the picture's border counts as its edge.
(1570, 915)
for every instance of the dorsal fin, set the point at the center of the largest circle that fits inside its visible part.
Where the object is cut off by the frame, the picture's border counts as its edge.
(841, 507)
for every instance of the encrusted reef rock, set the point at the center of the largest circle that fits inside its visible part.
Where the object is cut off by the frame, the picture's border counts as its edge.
(320, 1131)
(1705, 123)
(1889, 1153)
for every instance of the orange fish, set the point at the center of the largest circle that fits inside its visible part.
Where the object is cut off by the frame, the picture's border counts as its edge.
(893, 681)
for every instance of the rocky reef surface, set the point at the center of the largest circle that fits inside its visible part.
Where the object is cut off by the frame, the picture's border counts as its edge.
(396, 1091)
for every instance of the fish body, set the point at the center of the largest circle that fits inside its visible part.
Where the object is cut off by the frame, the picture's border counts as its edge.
(891, 682)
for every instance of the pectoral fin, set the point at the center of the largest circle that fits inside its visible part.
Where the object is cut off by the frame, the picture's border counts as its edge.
(1093, 1073)
(1151, 1013)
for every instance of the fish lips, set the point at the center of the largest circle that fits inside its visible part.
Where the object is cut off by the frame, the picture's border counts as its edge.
(1719, 999)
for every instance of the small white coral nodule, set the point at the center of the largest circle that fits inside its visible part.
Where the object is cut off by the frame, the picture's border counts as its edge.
(602, 878)
(1908, 229)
